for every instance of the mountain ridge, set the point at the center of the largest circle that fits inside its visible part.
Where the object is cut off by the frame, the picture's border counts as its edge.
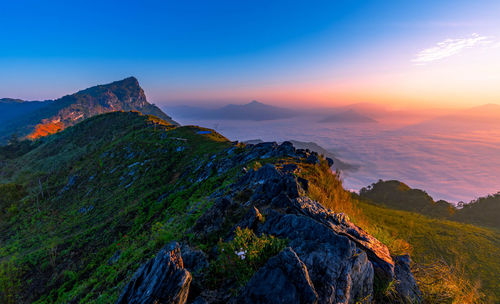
(124, 202)
(51, 116)
(483, 211)
(191, 182)
(253, 110)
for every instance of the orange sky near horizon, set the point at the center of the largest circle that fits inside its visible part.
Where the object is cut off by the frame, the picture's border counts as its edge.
(467, 79)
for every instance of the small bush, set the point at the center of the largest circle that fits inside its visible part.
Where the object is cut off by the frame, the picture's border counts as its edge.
(10, 281)
(239, 259)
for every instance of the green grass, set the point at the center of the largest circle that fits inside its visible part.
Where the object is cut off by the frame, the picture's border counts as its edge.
(475, 249)
(60, 242)
(467, 255)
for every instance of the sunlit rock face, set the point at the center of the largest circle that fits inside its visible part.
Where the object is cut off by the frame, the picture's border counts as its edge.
(48, 117)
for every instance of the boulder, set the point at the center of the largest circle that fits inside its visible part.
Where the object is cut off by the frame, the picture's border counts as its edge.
(312, 159)
(377, 252)
(406, 286)
(195, 261)
(286, 148)
(339, 271)
(268, 182)
(161, 280)
(283, 279)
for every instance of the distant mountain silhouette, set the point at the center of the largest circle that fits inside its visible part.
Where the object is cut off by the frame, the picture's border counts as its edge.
(39, 118)
(251, 111)
(349, 116)
(394, 194)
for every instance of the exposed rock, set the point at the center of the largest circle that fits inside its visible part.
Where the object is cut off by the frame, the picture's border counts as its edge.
(284, 279)
(377, 252)
(71, 182)
(213, 219)
(268, 182)
(340, 272)
(199, 300)
(160, 280)
(287, 148)
(312, 159)
(406, 286)
(330, 260)
(194, 260)
(251, 219)
(290, 168)
(115, 257)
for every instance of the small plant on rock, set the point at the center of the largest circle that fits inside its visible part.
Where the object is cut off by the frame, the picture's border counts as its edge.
(240, 258)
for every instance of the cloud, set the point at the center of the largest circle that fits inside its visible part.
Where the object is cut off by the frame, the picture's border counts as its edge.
(450, 47)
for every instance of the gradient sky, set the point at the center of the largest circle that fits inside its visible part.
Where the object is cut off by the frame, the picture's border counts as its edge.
(399, 53)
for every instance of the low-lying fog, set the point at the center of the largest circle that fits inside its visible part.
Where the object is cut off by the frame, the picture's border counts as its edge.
(452, 158)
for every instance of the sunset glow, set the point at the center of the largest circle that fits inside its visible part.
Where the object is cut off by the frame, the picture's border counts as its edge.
(323, 55)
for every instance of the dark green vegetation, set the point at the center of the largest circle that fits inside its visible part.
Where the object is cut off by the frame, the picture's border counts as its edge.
(116, 183)
(241, 257)
(35, 119)
(483, 211)
(82, 209)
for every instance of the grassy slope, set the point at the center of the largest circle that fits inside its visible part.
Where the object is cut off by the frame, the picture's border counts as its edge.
(461, 254)
(475, 249)
(55, 245)
(394, 194)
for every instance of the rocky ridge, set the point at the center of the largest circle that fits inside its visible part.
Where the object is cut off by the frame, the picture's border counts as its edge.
(328, 259)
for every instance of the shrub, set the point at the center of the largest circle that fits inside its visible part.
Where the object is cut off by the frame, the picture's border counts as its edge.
(239, 259)
(10, 281)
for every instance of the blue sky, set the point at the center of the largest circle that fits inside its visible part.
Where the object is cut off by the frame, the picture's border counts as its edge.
(281, 52)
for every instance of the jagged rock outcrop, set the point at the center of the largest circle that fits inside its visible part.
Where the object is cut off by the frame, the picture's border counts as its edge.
(284, 279)
(161, 280)
(340, 272)
(328, 258)
(377, 252)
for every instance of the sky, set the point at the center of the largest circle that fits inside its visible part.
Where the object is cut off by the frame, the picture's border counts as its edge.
(304, 53)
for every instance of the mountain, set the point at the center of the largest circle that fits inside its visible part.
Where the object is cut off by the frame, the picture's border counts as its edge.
(13, 109)
(126, 208)
(397, 195)
(251, 111)
(484, 211)
(349, 116)
(36, 119)
(95, 201)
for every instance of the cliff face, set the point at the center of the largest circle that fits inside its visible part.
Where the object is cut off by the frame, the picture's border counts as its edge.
(44, 118)
(225, 222)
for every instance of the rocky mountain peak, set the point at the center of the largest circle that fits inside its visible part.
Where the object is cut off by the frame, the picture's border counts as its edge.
(44, 118)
